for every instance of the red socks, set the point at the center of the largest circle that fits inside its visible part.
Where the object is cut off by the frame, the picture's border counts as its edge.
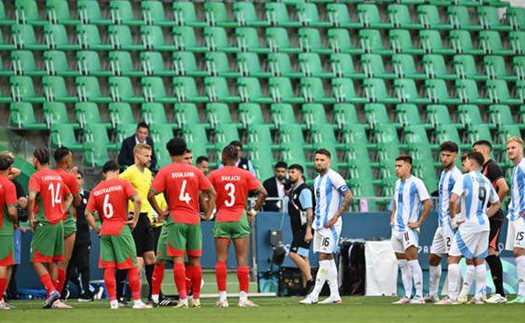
(134, 283)
(3, 286)
(243, 275)
(196, 278)
(158, 277)
(180, 280)
(48, 284)
(188, 277)
(61, 281)
(220, 274)
(109, 281)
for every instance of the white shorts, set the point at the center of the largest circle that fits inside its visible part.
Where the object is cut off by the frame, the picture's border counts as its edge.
(401, 241)
(470, 244)
(327, 240)
(516, 234)
(442, 240)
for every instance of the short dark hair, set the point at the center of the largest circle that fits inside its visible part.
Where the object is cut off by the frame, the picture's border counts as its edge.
(464, 157)
(201, 159)
(477, 156)
(297, 167)
(79, 172)
(6, 160)
(405, 157)
(483, 142)
(42, 155)
(281, 164)
(230, 153)
(142, 125)
(176, 146)
(61, 153)
(236, 143)
(323, 151)
(449, 146)
(187, 151)
(110, 166)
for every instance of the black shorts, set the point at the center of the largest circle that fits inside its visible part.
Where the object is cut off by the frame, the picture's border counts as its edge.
(156, 235)
(299, 246)
(495, 231)
(143, 235)
(80, 256)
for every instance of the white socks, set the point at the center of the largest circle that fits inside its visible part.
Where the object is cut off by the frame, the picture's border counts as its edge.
(435, 276)
(243, 296)
(417, 275)
(469, 278)
(481, 283)
(155, 298)
(332, 280)
(322, 276)
(406, 275)
(520, 270)
(453, 278)
(223, 296)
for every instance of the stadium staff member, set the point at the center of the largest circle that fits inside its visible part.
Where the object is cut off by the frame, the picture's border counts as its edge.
(241, 162)
(276, 188)
(141, 136)
(203, 164)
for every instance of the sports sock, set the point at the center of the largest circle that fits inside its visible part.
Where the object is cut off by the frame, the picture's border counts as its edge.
(220, 274)
(61, 281)
(453, 278)
(481, 276)
(332, 280)
(322, 274)
(180, 280)
(196, 278)
(243, 276)
(134, 283)
(188, 274)
(406, 275)
(469, 278)
(223, 296)
(435, 276)
(417, 275)
(496, 270)
(520, 270)
(3, 286)
(48, 284)
(120, 276)
(156, 279)
(149, 277)
(109, 281)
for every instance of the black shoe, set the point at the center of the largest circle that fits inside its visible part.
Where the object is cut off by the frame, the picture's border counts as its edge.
(122, 302)
(86, 298)
(166, 302)
(65, 295)
(309, 287)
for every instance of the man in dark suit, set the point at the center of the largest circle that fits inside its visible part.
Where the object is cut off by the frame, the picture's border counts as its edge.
(125, 157)
(276, 187)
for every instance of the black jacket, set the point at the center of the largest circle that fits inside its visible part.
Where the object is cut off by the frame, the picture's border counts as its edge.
(83, 235)
(270, 185)
(125, 157)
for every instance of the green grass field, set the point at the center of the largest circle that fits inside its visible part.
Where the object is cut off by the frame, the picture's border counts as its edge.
(354, 309)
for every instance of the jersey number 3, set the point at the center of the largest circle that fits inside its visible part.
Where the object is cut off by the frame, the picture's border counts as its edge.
(231, 193)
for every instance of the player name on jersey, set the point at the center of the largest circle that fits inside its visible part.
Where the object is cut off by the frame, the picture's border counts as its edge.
(184, 174)
(230, 178)
(108, 190)
(52, 178)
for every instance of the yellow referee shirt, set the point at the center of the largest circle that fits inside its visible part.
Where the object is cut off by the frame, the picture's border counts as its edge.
(141, 181)
(161, 201)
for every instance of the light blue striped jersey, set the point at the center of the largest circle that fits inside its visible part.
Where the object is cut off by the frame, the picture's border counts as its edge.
(329, 189)
(446, 184)
(408, 196)
(517, 191)
(476, 192)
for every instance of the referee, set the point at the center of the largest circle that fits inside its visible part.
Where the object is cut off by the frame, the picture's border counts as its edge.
(140, 178)
(494, 173)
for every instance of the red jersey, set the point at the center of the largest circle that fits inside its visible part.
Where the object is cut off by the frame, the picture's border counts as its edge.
(232, 185)
(181, 183)
(7, 199)
(51, 191)
(110, 200)
(71, 182)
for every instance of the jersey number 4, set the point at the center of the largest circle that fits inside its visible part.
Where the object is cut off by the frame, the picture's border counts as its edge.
(55, 194)
(184, 196)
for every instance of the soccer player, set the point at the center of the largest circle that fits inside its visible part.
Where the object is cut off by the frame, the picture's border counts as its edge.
(140, 177)
(8, 222)
(494, 173)
(231, 222)
(49, 199)
(516, 231)
(444, 233)
(181, 184)
(117, 248)
(471, 239)
(300, 209)
(333, 198)
(405, 221)
(64, 162)
(464, 166)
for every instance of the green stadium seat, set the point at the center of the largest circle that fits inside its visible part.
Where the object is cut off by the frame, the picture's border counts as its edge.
(23, 37)
(339, 41)
(310, 41)
(161, 134)
(462, 43)
(401, 42)
(344, 92)
(500, 115)
(184, 14)
(22, 89)
(450, 132)
(56, 113)
(438, 115)
(312, 90)
(88, 113)
(504, 132)
(400, 17)
(217, 90)
(4, 21)
(248, 64)
(491, 43)
(94, 155)
(489, 19)
(343, 66)
(121, 90)
(153, 39)
(292, 153)
(277, 15)
(56, 37)
(262, 159)
(345, 115)
(280, 64)
(251, 115)
(184, 39)
(216, 14)
(372, 42)
(219, 113)
(308, 15)
(496, 68)
(153, 113)
(153, 14)
(388, 148)
(459, 18)
(89, 12)
(465, 67)
(277, 40)
(369, 16)
(338, 16)
(121, 38)
(430, 18)
(185, 90)
(516, 17)
(121, 13)
(281, 90)
(518, 66)
(376, 92)
(55, 89)
(437, 92)
(376, 114)
(23, 63)
(121, 64)
(498, 93)
(89, 38)
(293, 134)
(27, 13)
(283, 115)
(120, 113)
(224, 134)
(313, 113)
(404, 67)
(184, 64)
(89, 64)
(217, 64)
(479, 132)
(467, 92)
(420, 149)
(97, 133)
(152, 63)
(517, 42)
(185, 114)
(6, 46)
(408, 114)
(406, 91)
(468, 115)
(63, 135)
(248, 40)
(216, 39)
(56, 63)
(57, 12)
(125, 130)
(372, 66)
(88, 89)
(249, 90)
(5, 72)
(22, 117)
(435, 67)
(246, 15)
(431, 43)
